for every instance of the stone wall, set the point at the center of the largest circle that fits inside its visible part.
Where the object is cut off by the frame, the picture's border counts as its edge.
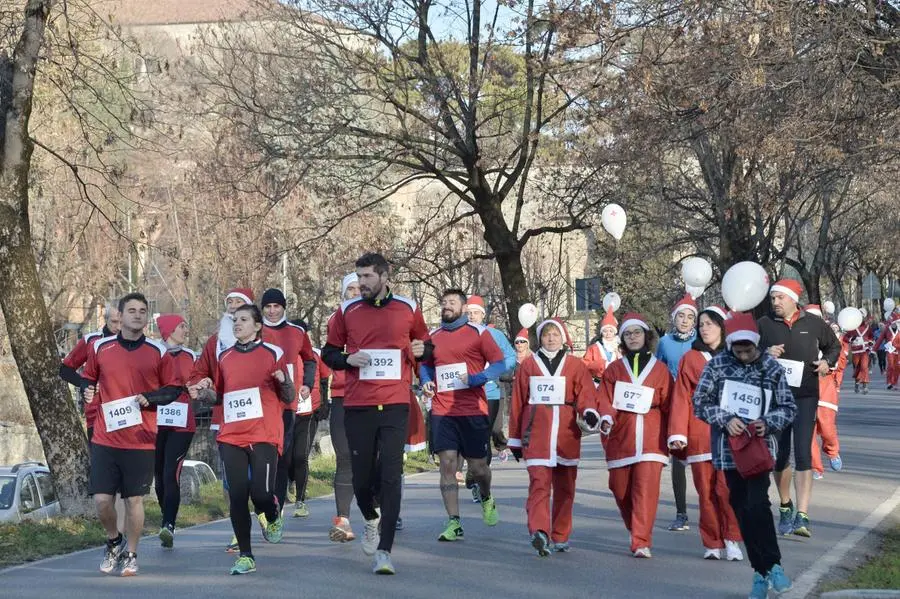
(19, 440)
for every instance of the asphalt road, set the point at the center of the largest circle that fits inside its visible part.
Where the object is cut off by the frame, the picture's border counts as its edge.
(499, 562)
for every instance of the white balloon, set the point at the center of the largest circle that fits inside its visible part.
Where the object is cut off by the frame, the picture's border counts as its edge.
(614, 220)
(696, 272)
(695, 292)
(744, 286)
(528, 315)
(612, 301)
(889, 304)
(850, 318)
(829, 307)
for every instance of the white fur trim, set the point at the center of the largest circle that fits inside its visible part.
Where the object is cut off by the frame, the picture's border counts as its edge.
(595, 413)
(646, 457)
(611, 423)
(785, 290)
(633, 322)
(674, 438)
(742, 336)
(239, 295)
(829, 405)
(700, 457)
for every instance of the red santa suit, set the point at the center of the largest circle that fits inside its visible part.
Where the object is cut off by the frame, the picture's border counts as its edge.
(717, 520)
(890, 338)
(636, 449)
(598, 357)
(544, 424)
(826, 414)
(860, 341)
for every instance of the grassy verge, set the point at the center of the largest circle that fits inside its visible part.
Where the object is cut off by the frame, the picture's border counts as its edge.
(882, 571)
(29, 541)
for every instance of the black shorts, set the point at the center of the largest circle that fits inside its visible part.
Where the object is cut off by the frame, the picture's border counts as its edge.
(469, 436)
(125, 471)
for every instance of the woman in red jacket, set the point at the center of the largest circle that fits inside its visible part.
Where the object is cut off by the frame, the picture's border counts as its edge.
(605, 350)
(636, 389)
(689, 439)
(551, 390)
(253, 386)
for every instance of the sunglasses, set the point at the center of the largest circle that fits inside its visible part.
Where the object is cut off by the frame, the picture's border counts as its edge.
(520, 341)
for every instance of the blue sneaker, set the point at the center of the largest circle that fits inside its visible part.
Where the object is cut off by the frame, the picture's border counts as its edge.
(836, 463)
(778, 579)
(786, 520)
(760, 589)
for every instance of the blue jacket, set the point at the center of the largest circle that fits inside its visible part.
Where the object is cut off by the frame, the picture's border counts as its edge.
(670, 350)
(491, 388)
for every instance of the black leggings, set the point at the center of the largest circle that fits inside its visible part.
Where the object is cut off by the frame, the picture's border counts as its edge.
(802, 430)
(171, 449)
(284, 469)
(679, 486)
(304, 435)
(750, 500)
(343, 472)
(251, 475)
(376, 436)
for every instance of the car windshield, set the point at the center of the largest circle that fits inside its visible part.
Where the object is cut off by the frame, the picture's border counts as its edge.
(7, 491)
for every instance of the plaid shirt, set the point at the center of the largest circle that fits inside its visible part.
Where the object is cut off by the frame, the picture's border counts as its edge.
(765, 372)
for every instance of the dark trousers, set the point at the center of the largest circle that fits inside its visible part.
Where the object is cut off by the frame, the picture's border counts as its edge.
(679, 486)
(749, 499)
(304, 435)
(171, 449)
(251, 475)
(376, 436)
(283, 473)
(343, 472)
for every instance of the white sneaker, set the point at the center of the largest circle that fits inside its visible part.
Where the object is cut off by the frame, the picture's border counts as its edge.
(642, 552)
(712, 553)
(382, 563)
(371, 538)
(733, 551)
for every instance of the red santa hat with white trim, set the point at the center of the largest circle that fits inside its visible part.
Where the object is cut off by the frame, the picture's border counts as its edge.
(685, 303)
(741, 327)
(558, 323)
(633, 319)
(609, 320)
(523, 335)
(717, 310)
(791, 288)
(814, 309)
(476, 301)
(241, 292)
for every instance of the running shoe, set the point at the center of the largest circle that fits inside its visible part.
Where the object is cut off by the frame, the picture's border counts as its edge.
(562, 547)
(818, 475)
(680, 523)
(760, 588)
(476, 493)
(371, 537)
(489, 511)
(233, 546)
(715, 554)
(836, 463)
(382, 563)
(129, 564)
(274, 531)
(541, 542)
(399, 525)
(801, 525)
(263, 522)
(779, 580)
(786, 519)
(865, 388)
(341, 532)
(642, 552)
(111, 557)
(856, 387)
(453, 531)
(733, 551)
(244, 565)
(167, 536)
(300, 510)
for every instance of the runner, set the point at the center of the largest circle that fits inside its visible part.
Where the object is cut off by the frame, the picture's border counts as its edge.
(78, 357)
(135, 375)
(292, 339)
(672, 348)
(253, 386)
(550, 392)
(636, 390)
(743, 370)
(454, 378)
(176, 427)
(826, 413)
(372, 338)
(522, 346)
(861, 342)
(797, 340)
(889, 340)
(341, 531)
(689, 440)
(605, 350)
(206, 368)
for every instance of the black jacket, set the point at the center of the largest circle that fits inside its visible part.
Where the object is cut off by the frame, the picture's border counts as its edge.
(803, 341)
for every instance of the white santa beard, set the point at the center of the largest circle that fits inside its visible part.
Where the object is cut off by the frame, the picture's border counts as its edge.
(226, 331)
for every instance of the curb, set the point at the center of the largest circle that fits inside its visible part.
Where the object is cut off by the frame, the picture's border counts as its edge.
(867, 593)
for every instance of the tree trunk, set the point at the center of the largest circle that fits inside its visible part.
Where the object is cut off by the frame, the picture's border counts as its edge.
(27, 321)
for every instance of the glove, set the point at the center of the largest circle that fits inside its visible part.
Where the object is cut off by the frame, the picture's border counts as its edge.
(591, 420)
(517, 452)
(323, 411)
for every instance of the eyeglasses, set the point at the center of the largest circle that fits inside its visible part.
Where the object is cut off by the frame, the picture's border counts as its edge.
(520, 341)
(633, 333)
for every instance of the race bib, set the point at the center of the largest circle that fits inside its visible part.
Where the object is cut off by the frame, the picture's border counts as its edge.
(122, 413)
(547, 390)
(304, 406)
(793, 372)
(744, 400)
(633, 398)
(449, 377)
(174, 414)
(245, 404)
(384, 365)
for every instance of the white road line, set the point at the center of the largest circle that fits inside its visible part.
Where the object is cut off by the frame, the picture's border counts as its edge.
(807, 582)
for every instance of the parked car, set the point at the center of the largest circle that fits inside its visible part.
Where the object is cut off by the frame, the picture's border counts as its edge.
(27, 492)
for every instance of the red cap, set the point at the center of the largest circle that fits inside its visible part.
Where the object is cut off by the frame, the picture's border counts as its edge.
(741, 327)
(166, 323)
(814, 309)
(557, 322)
(791, 288)
(523, 334)
(241, 292)
(631, 319)
(476, 301)
(609, 320)
(718, 310)
(685, 303)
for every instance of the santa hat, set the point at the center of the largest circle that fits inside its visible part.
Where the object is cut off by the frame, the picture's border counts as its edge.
(741, 327)
(241, 292)
(166, 323)
(475, 301)
(720, 311)
(814, 309)
(633, 319)
(791, 288)
(347, 281)
(523, 334)
(555, 321)
(609, 320)
(685, 303)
